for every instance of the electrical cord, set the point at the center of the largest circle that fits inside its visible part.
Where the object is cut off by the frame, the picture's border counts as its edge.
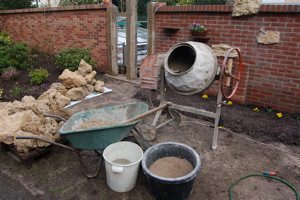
(266, 175)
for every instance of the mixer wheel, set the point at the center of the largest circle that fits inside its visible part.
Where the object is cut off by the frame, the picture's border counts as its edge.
(225, 82)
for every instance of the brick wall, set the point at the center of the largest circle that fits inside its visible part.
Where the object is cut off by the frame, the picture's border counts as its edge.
(52, 29)
(271, 75)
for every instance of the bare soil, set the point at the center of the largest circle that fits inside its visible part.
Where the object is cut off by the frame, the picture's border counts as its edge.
(171, 167)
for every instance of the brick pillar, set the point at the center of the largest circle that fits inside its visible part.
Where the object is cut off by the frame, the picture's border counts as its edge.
(112, 13)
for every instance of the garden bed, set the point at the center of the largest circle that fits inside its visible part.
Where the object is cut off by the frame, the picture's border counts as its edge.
(264, 124)
(16, 89)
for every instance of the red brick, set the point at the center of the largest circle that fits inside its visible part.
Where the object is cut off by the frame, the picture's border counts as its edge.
(266, 67)
(59, 30)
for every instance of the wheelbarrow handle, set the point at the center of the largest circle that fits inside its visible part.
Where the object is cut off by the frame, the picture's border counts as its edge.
(45, 140)
(55, 117)
(146, 113)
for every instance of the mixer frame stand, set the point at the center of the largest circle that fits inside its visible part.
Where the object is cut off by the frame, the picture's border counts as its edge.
(172, 106)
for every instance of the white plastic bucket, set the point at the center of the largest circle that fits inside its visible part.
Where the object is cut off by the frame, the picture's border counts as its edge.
(122, 160)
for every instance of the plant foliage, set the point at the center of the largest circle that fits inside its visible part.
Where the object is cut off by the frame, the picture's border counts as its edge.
(13, 55)
(70, 58)
(4, 39)
(198, 27)
(15, 4)
(38, 76)
(15, 91)
(1, 93)
(10, 73)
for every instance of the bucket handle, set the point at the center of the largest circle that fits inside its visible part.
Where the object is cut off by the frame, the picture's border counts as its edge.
(117, 169)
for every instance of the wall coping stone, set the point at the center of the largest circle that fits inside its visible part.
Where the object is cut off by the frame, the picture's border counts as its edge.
(228, 8)
(56, 9)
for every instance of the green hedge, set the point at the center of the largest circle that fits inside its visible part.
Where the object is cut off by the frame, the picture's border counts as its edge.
(70, 58)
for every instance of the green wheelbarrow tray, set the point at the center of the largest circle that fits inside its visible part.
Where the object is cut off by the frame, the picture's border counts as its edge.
(102, 136)
(97, 138)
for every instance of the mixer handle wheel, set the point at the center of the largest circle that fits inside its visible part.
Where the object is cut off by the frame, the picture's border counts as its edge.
(227, 74)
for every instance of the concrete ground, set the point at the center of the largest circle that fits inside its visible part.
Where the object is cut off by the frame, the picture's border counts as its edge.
(57, 174)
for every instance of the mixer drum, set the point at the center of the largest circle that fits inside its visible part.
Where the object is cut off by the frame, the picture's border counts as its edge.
(190, 67)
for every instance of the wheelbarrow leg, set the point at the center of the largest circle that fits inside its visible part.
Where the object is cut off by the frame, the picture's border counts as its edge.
(83, 166)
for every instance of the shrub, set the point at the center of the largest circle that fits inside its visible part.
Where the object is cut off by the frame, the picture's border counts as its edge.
(14, 55)
(1, 93)
(10, 73)
(4, 39)
(70, 58)
(38, 76)
(16, 91)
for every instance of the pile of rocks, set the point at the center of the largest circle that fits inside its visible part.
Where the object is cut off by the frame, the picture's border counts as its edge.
(26, 117)
(81, 82)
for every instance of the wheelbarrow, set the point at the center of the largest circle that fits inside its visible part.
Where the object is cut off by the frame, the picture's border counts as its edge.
(122, 119)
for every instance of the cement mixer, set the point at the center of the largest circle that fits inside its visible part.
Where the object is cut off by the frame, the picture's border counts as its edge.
(190, 68)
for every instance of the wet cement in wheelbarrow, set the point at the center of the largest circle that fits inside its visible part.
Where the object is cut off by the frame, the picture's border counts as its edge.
(171, 167)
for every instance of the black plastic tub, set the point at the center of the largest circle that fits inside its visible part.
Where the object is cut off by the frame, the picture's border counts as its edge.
(178, 188)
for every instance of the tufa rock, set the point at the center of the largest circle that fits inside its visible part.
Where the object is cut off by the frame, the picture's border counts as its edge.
(94, 82)
(90, 77)
(25, 122)
(268, 37)
(90, 88)
(84, 68)
(59, 87)
(56, 98)
(10, 125)
(50, 126)
(39, 107)
(46, 94)
(24, 146)
(99, 86)
(28, 99)
(77, 93)
(245, 7)
(71, 79)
